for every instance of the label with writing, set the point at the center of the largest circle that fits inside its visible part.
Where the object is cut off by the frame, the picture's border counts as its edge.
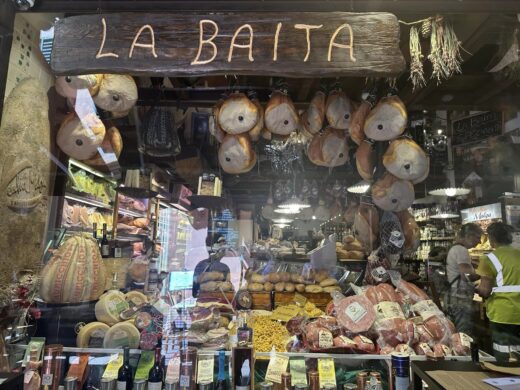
(184, 381)
(285, 313)
(426, 305)
(326, 372)
(27, 376)
(116, 361)
(173, 370)
(205, 367)
(300, 299)
(298, 372)
(346, 340)
(465, 340)
(446, 350)
(146, 362)
(355, 312)
(325, 339)
(425, 348)
(379, 272)
(47, 379)
(277, 366)
(388, 310)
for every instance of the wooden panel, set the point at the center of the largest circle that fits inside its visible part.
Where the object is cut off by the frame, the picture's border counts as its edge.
(337, 44)
(6, 38)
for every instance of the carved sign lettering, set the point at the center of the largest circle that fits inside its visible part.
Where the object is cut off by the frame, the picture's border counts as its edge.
(24, 186)
(290, 44)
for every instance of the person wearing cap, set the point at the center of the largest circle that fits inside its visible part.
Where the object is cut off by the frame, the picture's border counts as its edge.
(500, 285)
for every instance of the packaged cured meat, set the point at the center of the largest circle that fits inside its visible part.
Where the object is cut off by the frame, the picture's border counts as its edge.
(423, 349)
(387, 350)
(383, 292)
(461, 344)
(439, 327)
(318, 336)
(355, 314)
(364, 343)
(440, 350)
(344, 341)
(405, 348)
(395, 331)
(391, 236)
(377, 267)
(412, 293)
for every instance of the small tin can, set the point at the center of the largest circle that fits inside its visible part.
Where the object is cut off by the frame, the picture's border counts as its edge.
(361, 380)
(349, 386)
(266, 385)
(400, 371)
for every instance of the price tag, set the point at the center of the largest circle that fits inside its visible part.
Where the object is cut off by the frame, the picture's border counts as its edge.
(277, 366)
(326, 372)
(145, 364)
(47, 379)
(27, 376)
(300, 300)
(298, 372)
(173, 369)
(205, 367)
(285, 313)
(325, 339)
(184, 381)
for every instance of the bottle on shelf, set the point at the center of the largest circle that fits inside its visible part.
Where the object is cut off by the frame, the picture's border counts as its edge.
(221, 377)
(152, 279)
(117, 249)
(286, 381)
(94, 231)
(156, 374)
(32, 379)
(70, 383)
(314, 380)
(244, 332)
(105, 245)
(125, 374)
(47, 377)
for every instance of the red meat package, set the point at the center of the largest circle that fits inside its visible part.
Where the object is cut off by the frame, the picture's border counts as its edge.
(320, 333)
(364, 344)
(461, 344)
(355, 314)
(411, 293)
(436, 327)
(383, 292)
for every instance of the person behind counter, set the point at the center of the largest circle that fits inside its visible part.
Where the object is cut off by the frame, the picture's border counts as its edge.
(500, 284)
(460, 275)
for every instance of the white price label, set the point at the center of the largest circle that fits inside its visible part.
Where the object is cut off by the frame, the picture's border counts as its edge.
(355, 312)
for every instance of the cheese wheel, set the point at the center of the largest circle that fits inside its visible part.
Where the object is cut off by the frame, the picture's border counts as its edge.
(92, 335)
(135, 298)
(110, 306)
(124, 334)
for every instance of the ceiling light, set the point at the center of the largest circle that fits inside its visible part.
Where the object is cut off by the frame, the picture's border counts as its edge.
(313, 217)
(294, 203)
(450, 191)
(287, 211)
(444, 216)
(440, 131)
(359, 188)
(282, 220)
(281, 225)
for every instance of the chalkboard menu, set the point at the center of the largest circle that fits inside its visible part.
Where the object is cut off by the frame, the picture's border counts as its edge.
(477, 127)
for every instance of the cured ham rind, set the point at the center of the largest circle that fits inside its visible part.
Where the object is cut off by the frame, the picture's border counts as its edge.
(392, 194)
(328, 149)
(406, 160)
(236, 154)
(357, 124)
(366, 226)
(312, 119)
(411, 231)
(238, 114)
(365, 160)
(339, 110)
(281, 116)
(387, 120)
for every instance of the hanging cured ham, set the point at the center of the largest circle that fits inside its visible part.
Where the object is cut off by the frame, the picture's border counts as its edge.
(392, 194)
(313, 117)
(387, 120)
(406, 160)
(281, 116)
(366, 226)
(80, 139)
(257, 129)
(238, 114)
(357, 124)
(411, 231)
(366, 160)
(328, 149)
(236, 154)
(112, 147)
(214, 127)
(339, 110)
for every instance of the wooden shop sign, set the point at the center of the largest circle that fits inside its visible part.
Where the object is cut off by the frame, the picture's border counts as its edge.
(260, 43)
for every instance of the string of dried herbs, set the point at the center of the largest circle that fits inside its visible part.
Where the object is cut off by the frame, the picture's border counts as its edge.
(444, 51)
(416, 64)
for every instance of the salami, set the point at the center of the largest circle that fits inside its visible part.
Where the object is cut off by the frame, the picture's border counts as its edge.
(461, 344)
(411, 292)
(381, 293)
(356, 313)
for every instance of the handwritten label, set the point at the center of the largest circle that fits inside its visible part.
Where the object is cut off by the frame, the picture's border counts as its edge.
(205, 366)
(326, 372)
(184, 381)
(388, 310)
(27, 376)
(285, 313)
(347, 341)
(465, 340)
(173, 370)
(277, 366)
(145, 364)
(324, 339)
(298, 372)
(355, 312)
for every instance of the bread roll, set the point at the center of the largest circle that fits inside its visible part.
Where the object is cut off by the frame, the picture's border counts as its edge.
(295, 278)
(321, 275)
(290, 287)
(226, 286)
(300, 287)
(208, 286)
(257, 278)
(285, 277)
(312, 288)
(255, 287)
(330, 289)
(279, 287)
(268, 286)
(273, 278)
(211, 276)
(328, 282)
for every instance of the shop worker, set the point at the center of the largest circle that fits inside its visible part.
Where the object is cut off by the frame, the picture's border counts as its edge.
(460, 277)
(500, 284)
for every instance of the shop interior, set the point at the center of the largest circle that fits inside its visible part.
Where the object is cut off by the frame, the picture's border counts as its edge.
(200, 224)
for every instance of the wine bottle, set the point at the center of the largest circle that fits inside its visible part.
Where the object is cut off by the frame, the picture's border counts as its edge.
(125, 374)
(156, 374)
(221, 378)
(105, 246)
(244, 332)
(117, 250)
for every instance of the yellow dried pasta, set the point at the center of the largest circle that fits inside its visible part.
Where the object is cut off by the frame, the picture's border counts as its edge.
(268, 333)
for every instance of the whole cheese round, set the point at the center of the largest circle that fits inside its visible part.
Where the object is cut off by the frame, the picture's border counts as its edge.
(110, 306)
(92, 335)
(124, 334)
(135, 298)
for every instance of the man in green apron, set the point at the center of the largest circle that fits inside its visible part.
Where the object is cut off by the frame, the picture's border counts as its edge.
(500, 284)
